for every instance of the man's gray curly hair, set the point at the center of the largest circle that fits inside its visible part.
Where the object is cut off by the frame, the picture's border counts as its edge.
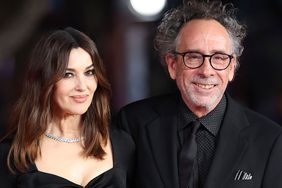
(175, 19)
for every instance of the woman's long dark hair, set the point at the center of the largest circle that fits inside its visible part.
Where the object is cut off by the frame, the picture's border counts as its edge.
(33, 109)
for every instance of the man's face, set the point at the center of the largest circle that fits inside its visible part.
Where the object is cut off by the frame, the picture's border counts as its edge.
(201, 88)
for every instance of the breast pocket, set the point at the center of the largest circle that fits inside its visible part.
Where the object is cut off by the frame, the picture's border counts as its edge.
(243, 184)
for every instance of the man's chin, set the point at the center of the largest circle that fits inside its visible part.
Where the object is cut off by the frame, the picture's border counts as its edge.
(207, 102)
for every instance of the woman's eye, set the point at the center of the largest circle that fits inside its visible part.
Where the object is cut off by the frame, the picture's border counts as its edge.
(90, 72)
(68, 75)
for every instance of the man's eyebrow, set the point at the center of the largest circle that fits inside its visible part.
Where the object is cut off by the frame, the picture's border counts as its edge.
(219, 51)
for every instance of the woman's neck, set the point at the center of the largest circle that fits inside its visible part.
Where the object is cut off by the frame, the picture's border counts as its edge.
(67, 126)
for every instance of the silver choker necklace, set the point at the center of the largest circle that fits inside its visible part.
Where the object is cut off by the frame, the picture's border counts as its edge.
(59, 139)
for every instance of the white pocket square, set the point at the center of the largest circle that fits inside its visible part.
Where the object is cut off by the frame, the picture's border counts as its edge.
(242, 175)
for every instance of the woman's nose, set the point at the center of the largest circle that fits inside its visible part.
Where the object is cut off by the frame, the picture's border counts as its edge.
(80, 84)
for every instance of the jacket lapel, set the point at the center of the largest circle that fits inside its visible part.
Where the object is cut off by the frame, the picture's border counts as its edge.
(230, 146)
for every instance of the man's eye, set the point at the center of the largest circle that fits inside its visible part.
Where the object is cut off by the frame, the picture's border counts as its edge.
(194, 56)
(220, 57)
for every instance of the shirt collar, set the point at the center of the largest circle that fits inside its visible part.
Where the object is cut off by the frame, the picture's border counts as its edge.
(211, 121)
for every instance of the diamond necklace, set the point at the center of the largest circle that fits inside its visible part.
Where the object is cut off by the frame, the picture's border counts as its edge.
(60, 139)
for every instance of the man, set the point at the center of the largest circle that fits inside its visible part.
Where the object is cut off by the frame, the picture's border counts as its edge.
(201, 137)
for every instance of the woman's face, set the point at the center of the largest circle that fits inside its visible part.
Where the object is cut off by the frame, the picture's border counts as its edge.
(73, 94)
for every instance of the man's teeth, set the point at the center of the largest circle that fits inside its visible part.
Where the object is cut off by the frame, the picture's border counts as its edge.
(205, 86)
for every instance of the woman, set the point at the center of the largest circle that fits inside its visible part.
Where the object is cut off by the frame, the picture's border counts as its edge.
(60, 123)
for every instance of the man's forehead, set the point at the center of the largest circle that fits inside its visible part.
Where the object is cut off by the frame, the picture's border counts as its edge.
(203, 33)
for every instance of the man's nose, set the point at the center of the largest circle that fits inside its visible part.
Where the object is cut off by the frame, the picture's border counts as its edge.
(206, 69)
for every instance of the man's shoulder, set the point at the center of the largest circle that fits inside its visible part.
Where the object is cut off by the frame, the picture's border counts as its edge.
(257, 121)
(154, 103)
(261, 121)
(120, 138)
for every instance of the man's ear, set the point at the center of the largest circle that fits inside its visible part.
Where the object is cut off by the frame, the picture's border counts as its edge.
(171, 63)
(232, 69)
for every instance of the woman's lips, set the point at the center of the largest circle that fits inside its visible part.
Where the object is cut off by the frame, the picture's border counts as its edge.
(79, 98)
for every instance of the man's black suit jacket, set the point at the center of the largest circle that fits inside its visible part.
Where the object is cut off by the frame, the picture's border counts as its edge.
(248, 151)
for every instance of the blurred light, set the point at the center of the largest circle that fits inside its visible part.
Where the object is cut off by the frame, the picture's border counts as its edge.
(147, 9)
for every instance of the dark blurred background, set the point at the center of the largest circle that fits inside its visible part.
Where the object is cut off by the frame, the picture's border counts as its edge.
(125, 42)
